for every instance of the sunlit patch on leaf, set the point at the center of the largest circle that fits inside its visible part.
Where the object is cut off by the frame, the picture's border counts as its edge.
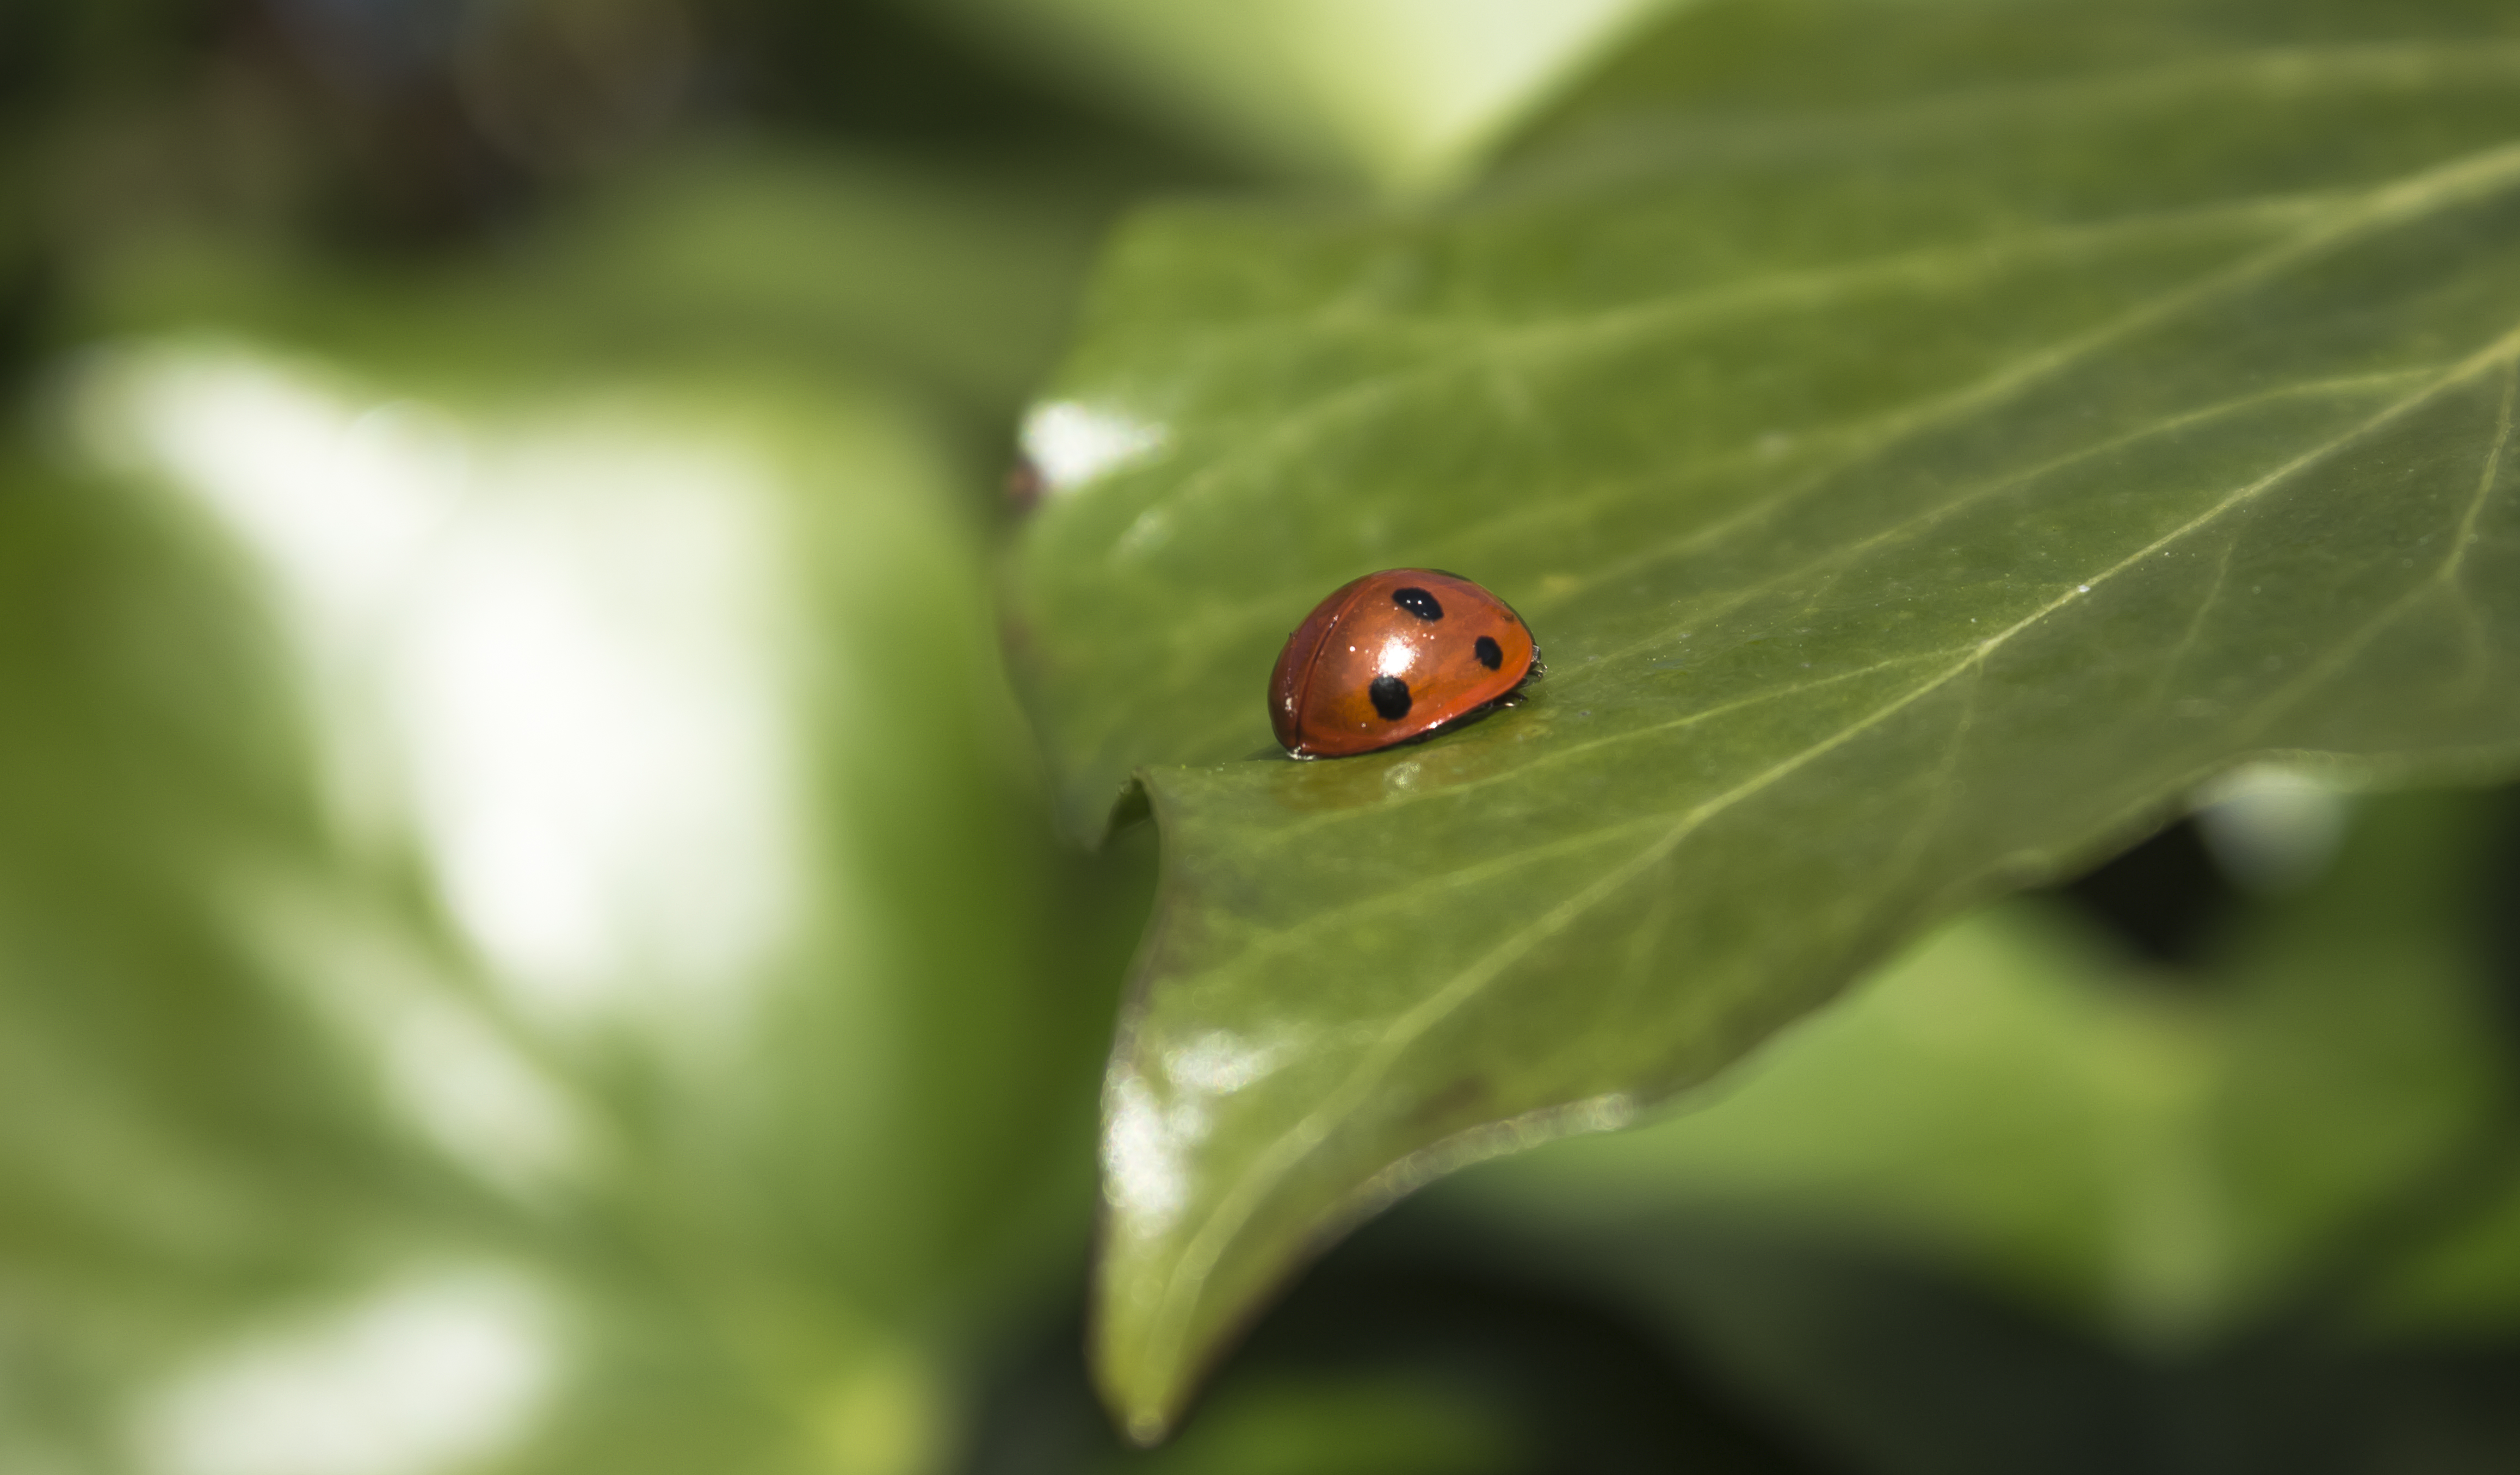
(550, 653)
(1072, 445)
(430, 1374)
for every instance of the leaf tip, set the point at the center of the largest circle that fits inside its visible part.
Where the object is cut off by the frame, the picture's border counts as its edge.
(1147, 1428)
(1144, 1399)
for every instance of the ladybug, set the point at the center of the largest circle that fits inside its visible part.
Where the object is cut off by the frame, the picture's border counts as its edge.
(1392, 658)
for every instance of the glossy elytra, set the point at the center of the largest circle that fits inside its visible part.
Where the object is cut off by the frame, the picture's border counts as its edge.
(1393, 656)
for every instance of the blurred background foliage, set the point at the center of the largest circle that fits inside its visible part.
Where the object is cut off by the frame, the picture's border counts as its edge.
(531, 937)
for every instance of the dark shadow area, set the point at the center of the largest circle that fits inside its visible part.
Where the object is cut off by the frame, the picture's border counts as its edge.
(2166, 897)
(2498, 912)
(1580, 1385)
(411, 129)
(1875, 1367)
(888, 73)
(1907, 1372)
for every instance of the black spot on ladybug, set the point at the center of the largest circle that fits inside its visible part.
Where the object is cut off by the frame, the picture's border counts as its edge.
(1419, 602)
(1390, 698)
(1490, 653)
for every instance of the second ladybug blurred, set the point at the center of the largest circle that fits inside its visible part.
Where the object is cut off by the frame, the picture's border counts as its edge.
(1393, 656)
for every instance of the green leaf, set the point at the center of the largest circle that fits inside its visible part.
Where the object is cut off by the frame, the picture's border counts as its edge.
(1925, 440)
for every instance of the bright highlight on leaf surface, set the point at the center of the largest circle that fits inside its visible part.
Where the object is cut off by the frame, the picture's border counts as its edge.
(1926, 440)
(1405, 95)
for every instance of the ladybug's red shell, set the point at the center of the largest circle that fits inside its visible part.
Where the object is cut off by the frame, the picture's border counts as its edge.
(1391, 656)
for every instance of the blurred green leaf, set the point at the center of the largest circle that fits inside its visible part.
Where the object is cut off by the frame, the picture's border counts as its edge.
(2164, 1158)
(949, 285)
(2181, 1166)
(1407, 95)
(1925, 440)
(180, 1141)
(2467, 1278)
(529, 934)
(960, 279)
